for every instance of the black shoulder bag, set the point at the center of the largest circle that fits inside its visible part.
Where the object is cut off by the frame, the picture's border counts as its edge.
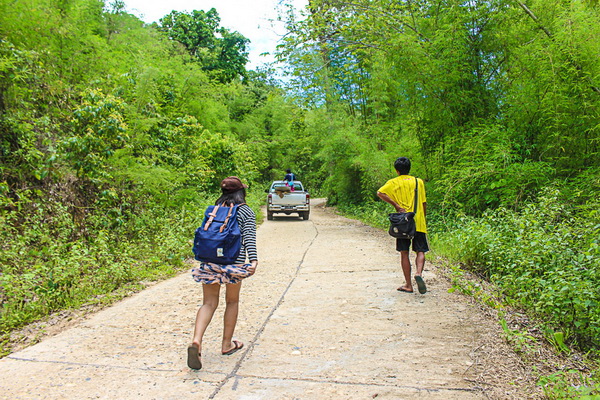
(402, 225)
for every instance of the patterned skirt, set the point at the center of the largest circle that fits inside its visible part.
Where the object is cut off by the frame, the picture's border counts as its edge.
(209, 273)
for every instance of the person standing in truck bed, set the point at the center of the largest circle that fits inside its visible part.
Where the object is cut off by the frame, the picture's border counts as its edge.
(289, 179)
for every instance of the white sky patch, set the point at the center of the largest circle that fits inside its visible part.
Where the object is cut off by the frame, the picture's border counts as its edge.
(255, 19)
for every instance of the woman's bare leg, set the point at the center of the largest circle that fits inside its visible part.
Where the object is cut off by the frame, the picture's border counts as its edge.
(205, 313)
(232, 299)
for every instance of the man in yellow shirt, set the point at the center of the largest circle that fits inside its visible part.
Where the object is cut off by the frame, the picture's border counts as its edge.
(400, 193)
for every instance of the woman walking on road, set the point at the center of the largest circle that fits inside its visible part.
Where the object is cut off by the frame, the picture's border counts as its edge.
(212, 276)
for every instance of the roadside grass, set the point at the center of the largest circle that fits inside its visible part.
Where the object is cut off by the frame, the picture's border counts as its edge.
(541, 279)
(544, 260)
(561, 372)
(46, 270)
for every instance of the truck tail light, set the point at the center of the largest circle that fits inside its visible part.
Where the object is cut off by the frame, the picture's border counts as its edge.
(307, 198)
(270, 198)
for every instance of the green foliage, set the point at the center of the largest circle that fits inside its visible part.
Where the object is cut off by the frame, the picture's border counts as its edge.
(196, 30)
(521, 342)
(100, 130)
(496, 103)
(492, 103)
(571, 384)
(219, 51)
(545, 260)
(45, 269)
(373, 213)
(111, 142)
(555, 83)
(487, 172)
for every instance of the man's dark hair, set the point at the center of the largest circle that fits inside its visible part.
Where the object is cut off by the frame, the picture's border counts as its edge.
(237, 197)
(402, 165)
(289, 171)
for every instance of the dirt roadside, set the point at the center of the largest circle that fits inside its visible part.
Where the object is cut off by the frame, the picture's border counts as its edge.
(321, 319)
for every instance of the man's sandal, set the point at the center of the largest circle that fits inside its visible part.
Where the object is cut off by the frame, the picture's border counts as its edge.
(421, 284)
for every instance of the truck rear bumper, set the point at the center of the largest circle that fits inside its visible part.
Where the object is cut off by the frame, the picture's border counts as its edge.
(288, 209)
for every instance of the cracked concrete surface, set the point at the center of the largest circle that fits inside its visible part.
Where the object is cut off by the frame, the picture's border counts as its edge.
(321, 319)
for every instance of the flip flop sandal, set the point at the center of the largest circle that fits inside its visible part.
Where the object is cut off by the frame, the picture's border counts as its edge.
(193, 357)
(403, 289)
(236, 346)
(421, 284)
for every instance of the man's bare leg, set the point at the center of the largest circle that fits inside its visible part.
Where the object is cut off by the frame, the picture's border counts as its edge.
(420, 261)
(406, 270)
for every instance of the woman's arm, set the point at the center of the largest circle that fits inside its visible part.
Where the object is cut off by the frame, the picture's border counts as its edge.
(248, 230)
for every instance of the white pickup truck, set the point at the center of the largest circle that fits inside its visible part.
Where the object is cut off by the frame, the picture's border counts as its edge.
(281, 199)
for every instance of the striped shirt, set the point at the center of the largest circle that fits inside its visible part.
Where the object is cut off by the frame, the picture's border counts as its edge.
(247, 222)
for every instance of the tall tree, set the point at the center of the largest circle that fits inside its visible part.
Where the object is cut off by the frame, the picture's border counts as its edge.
(221, 52)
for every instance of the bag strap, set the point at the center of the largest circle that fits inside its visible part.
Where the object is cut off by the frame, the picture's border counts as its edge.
(416, 195)
(227, 218)
(212, 216)
(229, 215)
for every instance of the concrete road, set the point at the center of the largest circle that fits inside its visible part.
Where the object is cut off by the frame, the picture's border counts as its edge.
(321, 319)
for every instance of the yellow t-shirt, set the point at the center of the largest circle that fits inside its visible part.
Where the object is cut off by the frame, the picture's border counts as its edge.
(402, 190)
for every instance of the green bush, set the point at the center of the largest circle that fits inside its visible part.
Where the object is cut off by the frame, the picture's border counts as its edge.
(545, 258)
(47, 267)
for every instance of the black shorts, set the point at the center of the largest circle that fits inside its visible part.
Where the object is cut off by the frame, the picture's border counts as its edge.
(419, 243)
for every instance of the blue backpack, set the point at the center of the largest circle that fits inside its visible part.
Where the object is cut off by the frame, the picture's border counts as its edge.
(218, 240)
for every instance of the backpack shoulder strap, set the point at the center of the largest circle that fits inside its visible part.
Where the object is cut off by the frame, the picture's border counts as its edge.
(212, 216)
(227, 218)
(233, 208)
